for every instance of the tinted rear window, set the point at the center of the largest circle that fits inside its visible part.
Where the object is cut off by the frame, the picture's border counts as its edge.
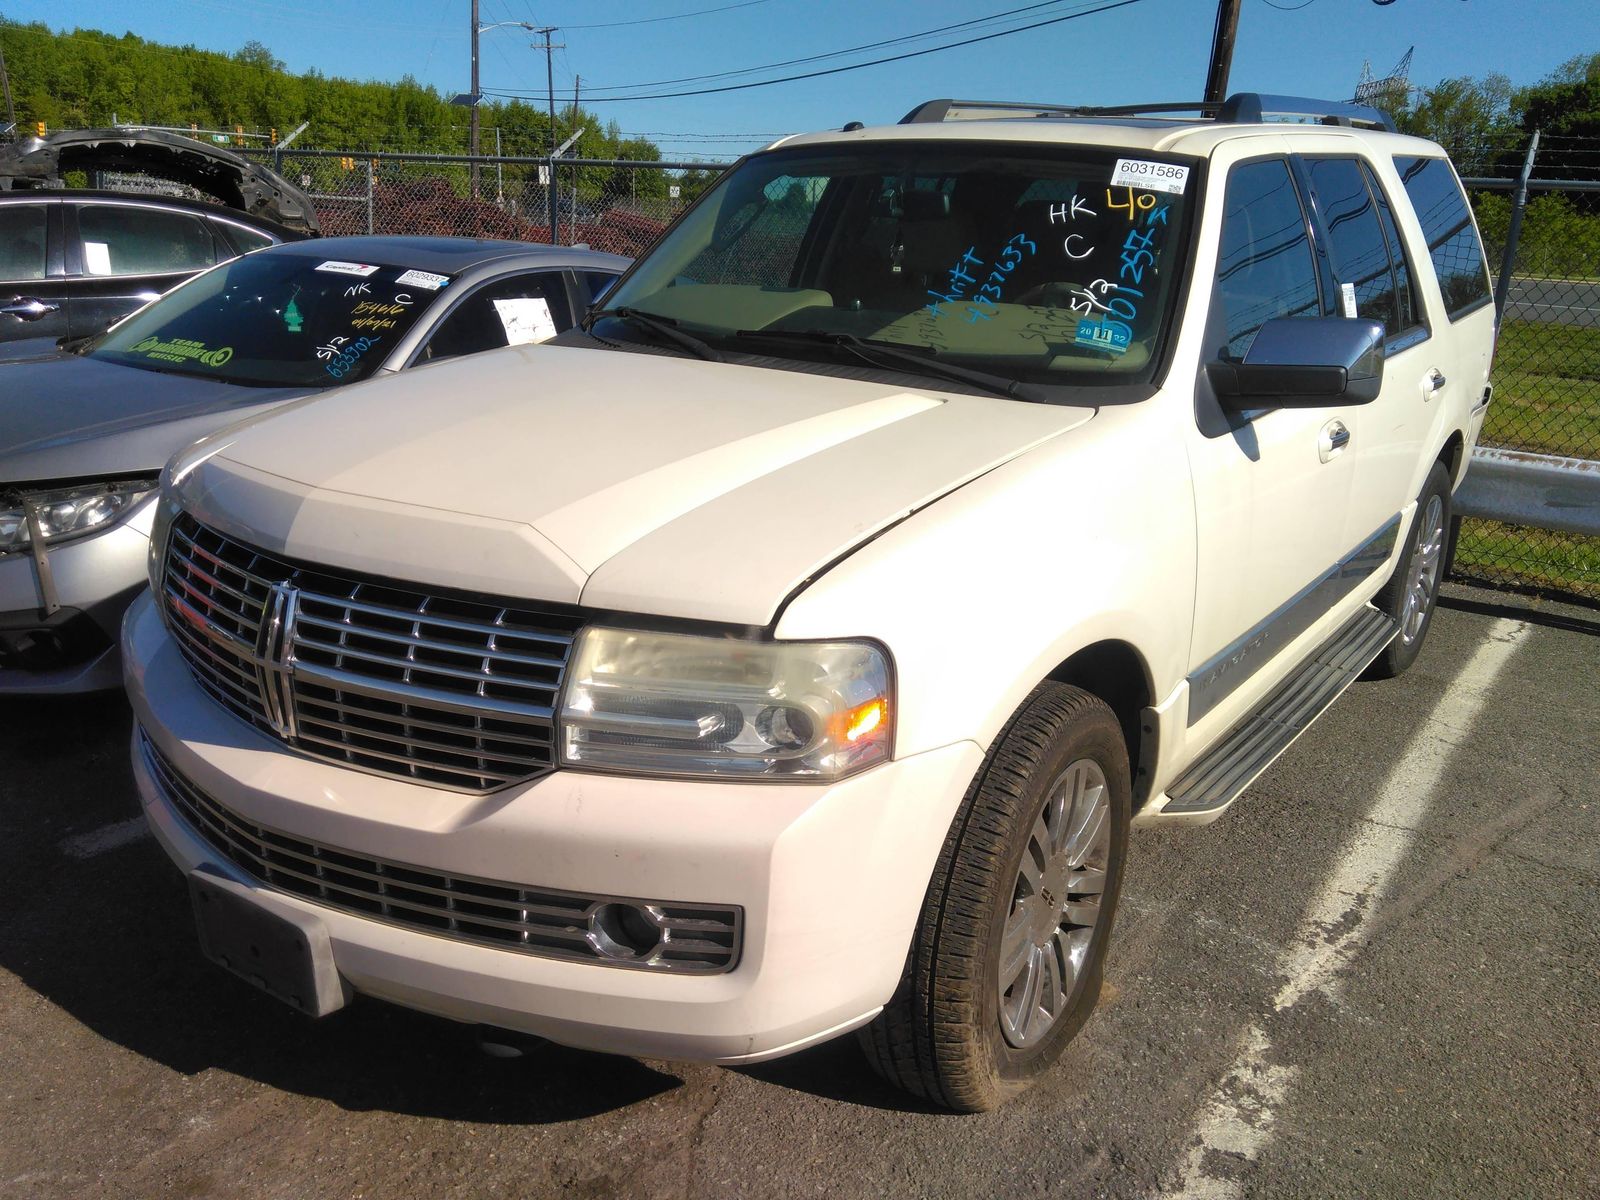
(1447, 225)
(22, 241)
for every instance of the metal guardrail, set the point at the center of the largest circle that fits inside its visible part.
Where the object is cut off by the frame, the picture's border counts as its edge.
(1541, 490)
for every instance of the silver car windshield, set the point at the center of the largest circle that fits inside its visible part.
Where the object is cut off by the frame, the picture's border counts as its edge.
(1052, 264)
(276, 320)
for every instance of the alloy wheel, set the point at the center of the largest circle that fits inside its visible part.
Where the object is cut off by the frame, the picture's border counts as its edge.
(1423, 573)
(1055, 907)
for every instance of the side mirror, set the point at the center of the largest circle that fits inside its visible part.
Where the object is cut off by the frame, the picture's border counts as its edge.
(1304, 362)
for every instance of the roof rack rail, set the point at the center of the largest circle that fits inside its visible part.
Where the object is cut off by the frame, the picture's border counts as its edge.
(1243, 108)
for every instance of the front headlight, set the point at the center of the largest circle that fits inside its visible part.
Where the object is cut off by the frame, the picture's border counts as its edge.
(69, 512)
(682, 704)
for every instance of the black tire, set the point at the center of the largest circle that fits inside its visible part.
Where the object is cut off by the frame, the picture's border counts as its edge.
(941, 1036)
(1427, 536)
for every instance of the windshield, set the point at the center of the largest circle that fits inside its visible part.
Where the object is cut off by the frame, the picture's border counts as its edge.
(276, 320)
(1050, 264)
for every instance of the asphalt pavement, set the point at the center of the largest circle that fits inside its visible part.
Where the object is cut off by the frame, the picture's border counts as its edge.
(1375, 977)
(1558, 301)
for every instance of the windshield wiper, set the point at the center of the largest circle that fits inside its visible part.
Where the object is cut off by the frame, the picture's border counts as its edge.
(661, 326)
(921, 362)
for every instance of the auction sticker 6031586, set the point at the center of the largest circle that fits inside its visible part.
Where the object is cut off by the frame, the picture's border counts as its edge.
(1150, 176)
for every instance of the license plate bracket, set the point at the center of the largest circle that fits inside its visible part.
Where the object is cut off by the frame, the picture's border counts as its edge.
(275, 947)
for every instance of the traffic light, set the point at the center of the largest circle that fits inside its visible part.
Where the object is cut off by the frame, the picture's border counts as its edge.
(41, 128)
(349, 164)
(238, 135)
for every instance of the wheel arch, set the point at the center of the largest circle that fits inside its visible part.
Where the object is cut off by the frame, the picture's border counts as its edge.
(1115, 671)
(1454, 457)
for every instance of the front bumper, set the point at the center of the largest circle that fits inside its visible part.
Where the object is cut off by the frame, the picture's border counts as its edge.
(831, 878)
(95, 576)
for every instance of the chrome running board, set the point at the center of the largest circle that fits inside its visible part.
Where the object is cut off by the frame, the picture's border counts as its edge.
(1248, 749)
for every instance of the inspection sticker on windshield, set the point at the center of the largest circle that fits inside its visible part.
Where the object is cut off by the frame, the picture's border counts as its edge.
(1150, 176)
(343, 268)
(424, 279)
(1115, 336)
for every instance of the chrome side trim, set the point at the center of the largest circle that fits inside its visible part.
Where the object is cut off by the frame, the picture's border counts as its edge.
(1220, 676)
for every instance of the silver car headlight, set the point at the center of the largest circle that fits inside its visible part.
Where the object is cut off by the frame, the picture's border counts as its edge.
(68, 512)
(685, 704)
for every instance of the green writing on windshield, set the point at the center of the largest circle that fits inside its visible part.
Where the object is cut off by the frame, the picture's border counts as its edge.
(183, 350)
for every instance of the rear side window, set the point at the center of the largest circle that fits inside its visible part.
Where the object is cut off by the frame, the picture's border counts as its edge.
(245, 240)
(1264, 267)
(1447, 226)
(1356, 244)
(1405, 285)
(120, 240)
(22, 241)
(507, 312)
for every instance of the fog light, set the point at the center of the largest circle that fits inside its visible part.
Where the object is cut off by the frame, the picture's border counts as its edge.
(624, 931)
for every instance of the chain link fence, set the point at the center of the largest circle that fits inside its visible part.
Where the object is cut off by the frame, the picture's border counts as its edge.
(1547, 364)
(608, 204)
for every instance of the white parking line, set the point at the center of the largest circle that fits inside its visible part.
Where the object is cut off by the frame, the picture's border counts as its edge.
(107, 837)
(1238, 1118)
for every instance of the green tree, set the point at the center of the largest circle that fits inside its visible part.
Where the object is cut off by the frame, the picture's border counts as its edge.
(1470, 118)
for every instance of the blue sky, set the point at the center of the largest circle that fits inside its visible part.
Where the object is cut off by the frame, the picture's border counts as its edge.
(1146, 51)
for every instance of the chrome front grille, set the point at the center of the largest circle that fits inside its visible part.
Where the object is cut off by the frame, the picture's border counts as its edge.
(449, 691)
(681, 938)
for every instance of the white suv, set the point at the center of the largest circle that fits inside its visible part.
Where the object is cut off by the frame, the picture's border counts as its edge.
(790, 651)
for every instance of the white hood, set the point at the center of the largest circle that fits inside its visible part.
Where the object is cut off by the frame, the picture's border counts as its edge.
(651, 484)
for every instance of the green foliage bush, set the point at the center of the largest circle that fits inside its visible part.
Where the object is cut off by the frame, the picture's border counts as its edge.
(83, 79)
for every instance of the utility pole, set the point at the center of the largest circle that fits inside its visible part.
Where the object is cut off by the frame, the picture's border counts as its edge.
(550, 95)
(577, 124)
(1222, 51)
(476, 98)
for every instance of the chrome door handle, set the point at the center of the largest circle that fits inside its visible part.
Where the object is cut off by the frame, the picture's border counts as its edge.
(1335, 436)
(28, 308)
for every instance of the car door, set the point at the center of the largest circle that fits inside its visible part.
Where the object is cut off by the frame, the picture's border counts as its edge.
(31, 303)
(509, 310)
(1374, 277)
(119, 256)
(1271, 487)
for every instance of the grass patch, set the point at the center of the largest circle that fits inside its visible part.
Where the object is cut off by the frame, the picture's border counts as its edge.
(1547, 390)
(1550, 414)
(1536, 558)
(1549, 348)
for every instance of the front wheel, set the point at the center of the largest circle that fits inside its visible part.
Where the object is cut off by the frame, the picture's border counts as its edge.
(1412, 592)
(1009, 952)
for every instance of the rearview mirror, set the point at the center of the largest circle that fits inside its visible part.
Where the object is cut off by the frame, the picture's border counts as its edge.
(1304, 362)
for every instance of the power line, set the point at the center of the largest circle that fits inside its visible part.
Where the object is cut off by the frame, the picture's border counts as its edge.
(675, 17)
(794, 62)
(877, 62)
